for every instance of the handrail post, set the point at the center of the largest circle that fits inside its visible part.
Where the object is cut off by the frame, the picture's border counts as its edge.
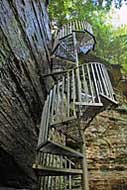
(83, 146)
(77, 69)
(85, 180)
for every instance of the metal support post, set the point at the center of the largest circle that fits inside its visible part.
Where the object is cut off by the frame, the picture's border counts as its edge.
(84, 164)
(77, 70)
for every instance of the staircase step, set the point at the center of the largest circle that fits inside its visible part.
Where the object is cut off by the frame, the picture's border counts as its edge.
(108, 101)
(84, 104)
(59, 149)
(63, 121)
(91, 111)
(48, 171)
(88, 110)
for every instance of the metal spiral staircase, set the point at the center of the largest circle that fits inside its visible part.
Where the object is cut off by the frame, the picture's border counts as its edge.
(76, 98)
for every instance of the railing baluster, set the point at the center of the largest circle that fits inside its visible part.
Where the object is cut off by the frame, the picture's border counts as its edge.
(106, 80)
(103, 81)
(45, 121)
(53, 103)
(63, 31)
(106, 83)
(66, 29)
(82, 26)
(85, 25)
(47, 178)
(42, 126)
(76, 24)
(99, 79)
(65, 178)
(79, 25)
(44, 164)
(74, 92)
(69, 28)
(48, 114)
(68, 94)
(95, 82)
(50, 177)
(54, 178)
(85, 84)
(72, 26)
(90, 82)
(58, 99)
(70, 177)
(109, 83)
(62, 97)
(58, 37)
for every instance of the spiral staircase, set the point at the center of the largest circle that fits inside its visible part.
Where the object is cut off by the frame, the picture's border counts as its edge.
(80, 93)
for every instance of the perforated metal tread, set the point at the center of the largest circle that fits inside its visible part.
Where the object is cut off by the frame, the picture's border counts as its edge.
(47, 171)
(59, 149)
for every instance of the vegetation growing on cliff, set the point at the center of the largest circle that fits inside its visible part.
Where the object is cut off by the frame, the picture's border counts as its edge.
(111, 40)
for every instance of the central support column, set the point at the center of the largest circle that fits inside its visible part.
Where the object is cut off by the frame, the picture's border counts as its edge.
(85, 183)
(85, 180)
(77, 70)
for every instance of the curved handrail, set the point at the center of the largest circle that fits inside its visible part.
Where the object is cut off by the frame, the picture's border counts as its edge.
(64, 42)
(74, 26)
(73, 92)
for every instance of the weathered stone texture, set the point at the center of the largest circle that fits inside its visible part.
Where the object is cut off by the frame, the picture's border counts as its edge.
(107, 151)
(24, 57)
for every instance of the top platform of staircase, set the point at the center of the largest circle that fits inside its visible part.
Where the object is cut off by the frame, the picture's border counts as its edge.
(64, 42)
(79, 26)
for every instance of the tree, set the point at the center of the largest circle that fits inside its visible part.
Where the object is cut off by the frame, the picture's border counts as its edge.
(111, 42)
(62, 10)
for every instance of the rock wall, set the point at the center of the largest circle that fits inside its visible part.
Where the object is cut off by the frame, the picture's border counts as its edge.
(107, 138)
(24, 57)
(107, 151)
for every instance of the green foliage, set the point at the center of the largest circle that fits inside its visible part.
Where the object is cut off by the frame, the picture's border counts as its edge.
(111, 43)
(63, 10)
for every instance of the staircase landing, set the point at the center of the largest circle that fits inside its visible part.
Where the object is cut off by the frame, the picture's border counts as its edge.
(47, 171)
(59, 149)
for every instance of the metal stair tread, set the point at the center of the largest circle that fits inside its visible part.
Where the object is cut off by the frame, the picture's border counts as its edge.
(52, 171)
(88, 104)
(59, 149)
(63, 121)
(90, 112)
(105, 99)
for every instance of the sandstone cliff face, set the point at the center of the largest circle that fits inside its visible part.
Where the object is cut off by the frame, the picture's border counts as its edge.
(24, 57)
(107, 151)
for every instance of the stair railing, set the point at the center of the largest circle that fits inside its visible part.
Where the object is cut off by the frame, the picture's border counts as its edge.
(82, 92)
(64, 44)
(61, 104)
